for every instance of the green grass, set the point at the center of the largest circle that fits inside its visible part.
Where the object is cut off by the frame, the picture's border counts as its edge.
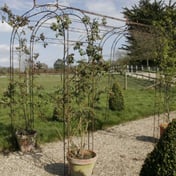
(139, 103)
(3, 83)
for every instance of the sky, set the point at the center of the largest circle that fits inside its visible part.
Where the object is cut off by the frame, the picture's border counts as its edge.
(112, 8)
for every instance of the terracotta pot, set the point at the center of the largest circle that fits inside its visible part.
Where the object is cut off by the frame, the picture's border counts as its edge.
(26, 141)
(163, 127)
(81, 167)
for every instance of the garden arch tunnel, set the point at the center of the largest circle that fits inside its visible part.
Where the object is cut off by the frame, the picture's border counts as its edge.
(52, 24)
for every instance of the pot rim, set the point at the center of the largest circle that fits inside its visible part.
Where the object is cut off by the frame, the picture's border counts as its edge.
(79, 161)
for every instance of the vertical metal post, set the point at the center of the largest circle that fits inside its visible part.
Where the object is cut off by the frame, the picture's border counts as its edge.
(125, 80)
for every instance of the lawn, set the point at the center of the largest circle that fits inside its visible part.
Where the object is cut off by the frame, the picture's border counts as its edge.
(139, 103)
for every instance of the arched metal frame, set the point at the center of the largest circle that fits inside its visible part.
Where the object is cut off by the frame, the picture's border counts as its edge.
(46, 12)
(115, 35)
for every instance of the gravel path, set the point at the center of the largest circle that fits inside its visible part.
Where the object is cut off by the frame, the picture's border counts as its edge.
(121, 152)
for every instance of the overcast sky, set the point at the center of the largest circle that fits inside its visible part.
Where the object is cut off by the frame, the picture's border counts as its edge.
(112, 8)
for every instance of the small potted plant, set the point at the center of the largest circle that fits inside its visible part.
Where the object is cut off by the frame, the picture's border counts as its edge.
(165, 60)
(80, 94)
(22, 101)
(80, 158)
(25, 133)
(166, 95)
(165, 99)
(19, 95)
(80, 155)
(22, 111)
(22, 121)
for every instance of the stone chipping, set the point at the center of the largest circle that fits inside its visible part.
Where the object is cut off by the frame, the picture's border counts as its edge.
(121, 151)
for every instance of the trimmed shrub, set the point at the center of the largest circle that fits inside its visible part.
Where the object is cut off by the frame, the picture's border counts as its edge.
(116, 99)
(162, 160)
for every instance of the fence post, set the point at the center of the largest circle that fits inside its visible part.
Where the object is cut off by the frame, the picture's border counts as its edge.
(125, 80)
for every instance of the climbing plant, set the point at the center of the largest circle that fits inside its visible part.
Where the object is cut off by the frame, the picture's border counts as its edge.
(80, 79)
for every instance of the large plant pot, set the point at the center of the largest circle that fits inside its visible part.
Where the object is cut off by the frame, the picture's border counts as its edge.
(26, 140)
(81, 167)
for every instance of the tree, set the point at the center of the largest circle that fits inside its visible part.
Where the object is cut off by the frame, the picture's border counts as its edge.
(158, 20)
(151, 21)
(59, 64)
(41, 67)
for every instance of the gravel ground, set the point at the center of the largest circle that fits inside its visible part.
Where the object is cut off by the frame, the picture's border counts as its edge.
(121, 151)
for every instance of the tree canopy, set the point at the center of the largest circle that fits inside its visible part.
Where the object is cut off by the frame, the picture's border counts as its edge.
(152, 33)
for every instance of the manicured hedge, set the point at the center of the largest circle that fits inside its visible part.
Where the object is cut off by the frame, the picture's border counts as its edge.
(162, 160)
(116, 99)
